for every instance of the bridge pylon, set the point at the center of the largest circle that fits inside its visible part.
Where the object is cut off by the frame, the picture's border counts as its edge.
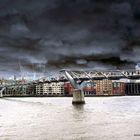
(1, 92)
(1, 95)
(78, 95)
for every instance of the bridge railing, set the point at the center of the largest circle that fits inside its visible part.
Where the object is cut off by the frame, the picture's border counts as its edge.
(105, 74)
(85, 75)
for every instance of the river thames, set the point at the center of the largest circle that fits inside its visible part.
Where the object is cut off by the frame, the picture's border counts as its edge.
(101, 118)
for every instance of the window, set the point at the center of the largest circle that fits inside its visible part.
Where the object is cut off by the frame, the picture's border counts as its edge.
(50, 88)
(118, 84)
(114, 85)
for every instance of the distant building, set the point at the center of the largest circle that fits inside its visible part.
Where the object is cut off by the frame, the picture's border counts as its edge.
(89, 88)
(39, 89)
(103, 87)
(50, 89)
(31, 90)
(53, 88)
(118, 88)
(132, 88)
(20, 90)
(68, 89)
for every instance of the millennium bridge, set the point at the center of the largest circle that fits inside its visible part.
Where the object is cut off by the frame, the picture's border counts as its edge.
(77, 76)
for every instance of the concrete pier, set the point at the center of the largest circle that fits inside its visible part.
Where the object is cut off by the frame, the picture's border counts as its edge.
(1, 92)
(1, 95)
(78, 97)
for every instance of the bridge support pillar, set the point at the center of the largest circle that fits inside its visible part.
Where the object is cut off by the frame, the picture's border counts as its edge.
(78, 97)
(1, 95)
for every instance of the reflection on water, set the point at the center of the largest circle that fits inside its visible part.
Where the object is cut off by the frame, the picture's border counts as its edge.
(79, 108)
(102, 118)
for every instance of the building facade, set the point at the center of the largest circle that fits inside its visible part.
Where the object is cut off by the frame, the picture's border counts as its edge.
(20, 90)
(103, 87)
(68, 89)
(50, 89)
(118, 88)
(39, 89)
(132, 89)
(89, 88)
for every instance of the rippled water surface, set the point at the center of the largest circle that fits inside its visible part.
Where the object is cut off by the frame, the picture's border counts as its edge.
(101, 118)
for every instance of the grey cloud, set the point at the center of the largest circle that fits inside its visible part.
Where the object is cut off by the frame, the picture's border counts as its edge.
(134, 56)
(19, 30)
(50, 35)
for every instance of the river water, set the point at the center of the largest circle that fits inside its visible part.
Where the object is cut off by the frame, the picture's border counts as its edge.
(101, 118)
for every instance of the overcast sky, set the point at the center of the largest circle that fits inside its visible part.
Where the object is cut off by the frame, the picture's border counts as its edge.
(47, 35)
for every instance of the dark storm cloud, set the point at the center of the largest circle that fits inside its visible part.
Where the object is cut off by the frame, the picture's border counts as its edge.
(49, 35)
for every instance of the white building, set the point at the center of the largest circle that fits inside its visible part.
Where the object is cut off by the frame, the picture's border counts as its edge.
(39, 89)
(50, 89)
